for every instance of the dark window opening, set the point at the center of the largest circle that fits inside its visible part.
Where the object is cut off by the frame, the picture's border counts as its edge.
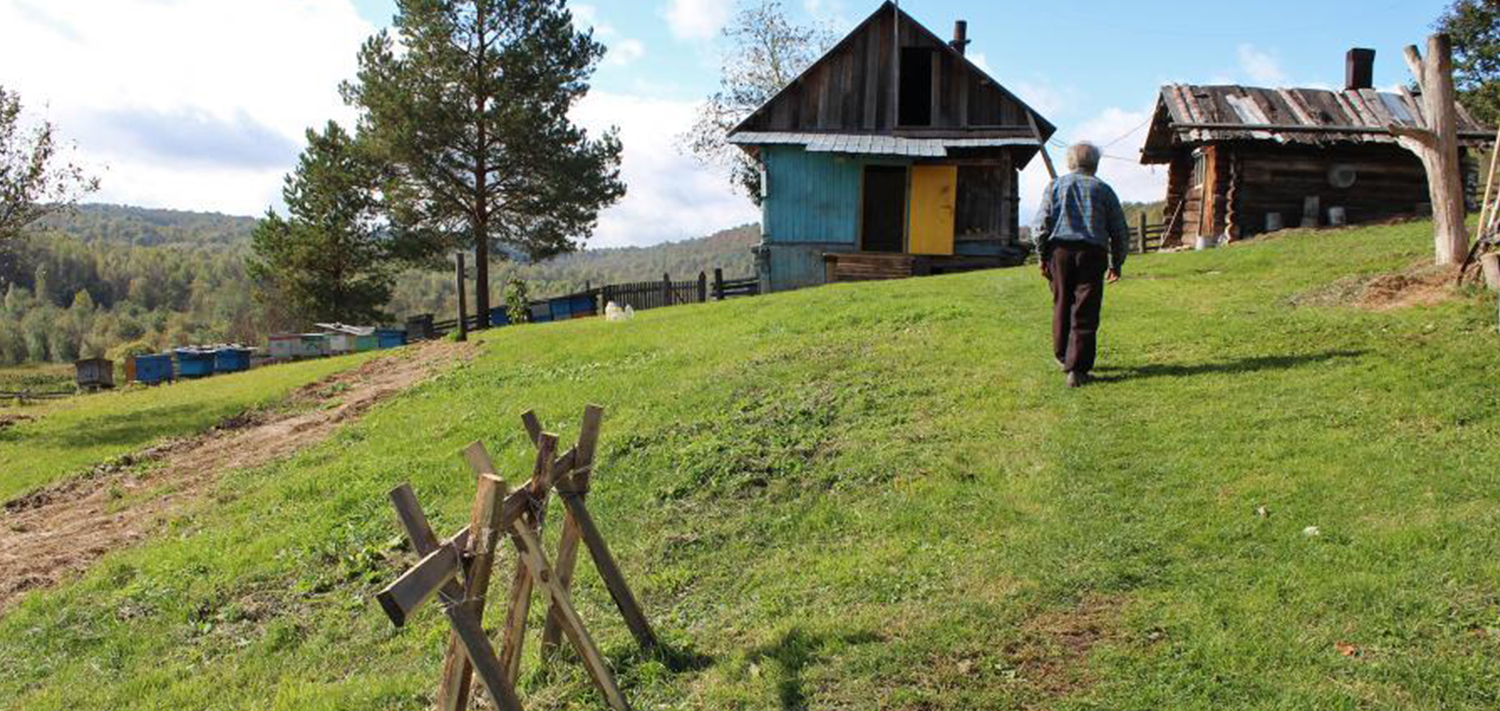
(916, 87)
(884, 217)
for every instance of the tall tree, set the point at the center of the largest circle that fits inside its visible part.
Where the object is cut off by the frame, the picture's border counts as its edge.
(472, 116)
(35, 177)
(1474, 26)
(766, 51)
(331, 259)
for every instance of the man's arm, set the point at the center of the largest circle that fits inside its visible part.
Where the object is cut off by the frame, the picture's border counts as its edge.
(1119, 233)
(1043, 226)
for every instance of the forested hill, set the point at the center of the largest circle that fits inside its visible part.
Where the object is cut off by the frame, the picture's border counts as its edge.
(148, 227)
(87, 281)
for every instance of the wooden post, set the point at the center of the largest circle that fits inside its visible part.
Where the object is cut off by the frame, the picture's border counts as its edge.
(463, 325)
(1436, 143)
(702, 287)
(666, 289)
(1140, 226)
(719, 283)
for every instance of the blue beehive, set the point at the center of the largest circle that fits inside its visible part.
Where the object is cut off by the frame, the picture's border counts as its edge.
(541, 312)
(583, 305)
(231, 359)
(393, 337)
(499, 316)
(562, 309)
(153, 369)
(195, 362)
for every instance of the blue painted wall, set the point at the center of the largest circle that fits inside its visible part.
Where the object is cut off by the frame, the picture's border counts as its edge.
(813, 197)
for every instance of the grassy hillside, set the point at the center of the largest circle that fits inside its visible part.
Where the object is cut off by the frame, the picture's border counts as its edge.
(882, 497)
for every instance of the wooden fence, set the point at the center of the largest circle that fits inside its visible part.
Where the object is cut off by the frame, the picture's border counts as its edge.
(643, 295)
(1146, 237)
(637, 295)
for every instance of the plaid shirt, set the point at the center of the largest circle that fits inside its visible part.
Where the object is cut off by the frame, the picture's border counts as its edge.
(1082, 208)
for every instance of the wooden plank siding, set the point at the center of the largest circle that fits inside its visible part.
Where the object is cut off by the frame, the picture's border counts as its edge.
(811, 197)
(850, 89)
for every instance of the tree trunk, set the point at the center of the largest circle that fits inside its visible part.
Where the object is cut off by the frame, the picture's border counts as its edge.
(481, 178)
(1437, 145)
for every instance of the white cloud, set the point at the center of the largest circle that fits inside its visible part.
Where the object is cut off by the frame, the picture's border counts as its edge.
(1264, 68)
(622, 51)
(981, 61)
(670, 196)
(625, 52)
(1048, 99)
(188, 104)
(1120, 134)
(697, 19)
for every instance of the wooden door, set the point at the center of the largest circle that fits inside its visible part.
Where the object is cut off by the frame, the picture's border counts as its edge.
(884, 213)
(934, 199)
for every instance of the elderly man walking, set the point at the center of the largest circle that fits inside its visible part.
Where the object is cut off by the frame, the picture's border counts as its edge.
(1081, 236)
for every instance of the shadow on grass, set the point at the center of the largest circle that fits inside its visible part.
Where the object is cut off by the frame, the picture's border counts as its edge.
(797, 650)
(129, 429)
(1239, 366)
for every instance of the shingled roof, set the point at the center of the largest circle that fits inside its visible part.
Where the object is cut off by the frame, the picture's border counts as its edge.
(1191, 115)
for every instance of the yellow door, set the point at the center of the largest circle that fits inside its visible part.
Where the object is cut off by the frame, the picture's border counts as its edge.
(934, 197)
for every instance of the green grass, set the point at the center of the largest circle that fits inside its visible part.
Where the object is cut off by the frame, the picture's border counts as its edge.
(71, 435)
(48, 377)
(882, 497)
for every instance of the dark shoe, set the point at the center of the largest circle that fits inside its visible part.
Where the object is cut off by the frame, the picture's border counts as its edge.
(1078, 380)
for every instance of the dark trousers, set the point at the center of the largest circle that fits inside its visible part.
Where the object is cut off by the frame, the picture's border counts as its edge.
(1077, 294)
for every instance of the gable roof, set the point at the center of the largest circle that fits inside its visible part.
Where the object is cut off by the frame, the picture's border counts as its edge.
(849, 91)
(1191, 115)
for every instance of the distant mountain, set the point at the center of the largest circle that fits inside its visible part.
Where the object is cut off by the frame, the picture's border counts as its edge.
(148, 227)
(91, 279)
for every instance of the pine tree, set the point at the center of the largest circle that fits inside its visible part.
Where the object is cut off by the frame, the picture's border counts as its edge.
(472, 116)
(331, 259)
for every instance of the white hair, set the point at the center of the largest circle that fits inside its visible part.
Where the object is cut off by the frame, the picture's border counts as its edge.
(1083, 158)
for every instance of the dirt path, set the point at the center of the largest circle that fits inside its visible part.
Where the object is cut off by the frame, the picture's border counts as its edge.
(54, 533)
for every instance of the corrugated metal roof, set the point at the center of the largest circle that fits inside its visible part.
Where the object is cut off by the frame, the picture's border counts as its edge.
(871, 144)
(1192, 114)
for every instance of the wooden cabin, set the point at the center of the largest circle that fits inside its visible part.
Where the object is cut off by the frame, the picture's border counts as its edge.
(1246, 160)
(893, 155)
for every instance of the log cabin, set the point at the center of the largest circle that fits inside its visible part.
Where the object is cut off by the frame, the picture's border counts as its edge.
(1246, 160)
(893, 155)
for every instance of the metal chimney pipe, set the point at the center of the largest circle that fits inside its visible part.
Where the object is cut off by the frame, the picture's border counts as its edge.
(1359, 69)
(960, 36)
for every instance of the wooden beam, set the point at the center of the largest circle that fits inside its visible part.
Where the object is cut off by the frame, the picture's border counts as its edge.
(1041, 142)
(419, 584)
(467, 629)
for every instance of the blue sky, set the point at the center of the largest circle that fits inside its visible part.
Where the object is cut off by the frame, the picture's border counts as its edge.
(200, 104)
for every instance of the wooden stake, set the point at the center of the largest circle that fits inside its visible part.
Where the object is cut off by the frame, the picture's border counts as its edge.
(536, 562)
(520, 588)
(614, 580)
(484, 527)
(567, 545)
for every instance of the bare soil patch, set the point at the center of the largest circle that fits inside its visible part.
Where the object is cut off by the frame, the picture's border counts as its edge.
(13, 420)
(56, 532)
(1052, 654)
(1421, 284)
